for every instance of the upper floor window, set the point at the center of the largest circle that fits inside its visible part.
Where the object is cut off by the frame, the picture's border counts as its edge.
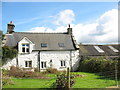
(61, 44)
(25, 48)
(43, 44)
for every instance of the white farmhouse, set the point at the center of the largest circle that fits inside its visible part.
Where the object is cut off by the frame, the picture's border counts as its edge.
(42, 50)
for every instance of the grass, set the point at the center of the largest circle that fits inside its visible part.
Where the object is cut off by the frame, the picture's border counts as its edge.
(90, 80)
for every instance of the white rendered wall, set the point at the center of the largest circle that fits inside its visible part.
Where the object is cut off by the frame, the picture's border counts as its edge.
(25, 41)
(28, 57)
(21, 60)
(55, 56)
(9, 64)
(75, 60)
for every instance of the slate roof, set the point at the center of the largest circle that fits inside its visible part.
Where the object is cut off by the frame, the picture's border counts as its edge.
(52, 39)
(89, 50)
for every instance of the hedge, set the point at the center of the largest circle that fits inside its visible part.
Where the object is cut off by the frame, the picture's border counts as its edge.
(100, 65)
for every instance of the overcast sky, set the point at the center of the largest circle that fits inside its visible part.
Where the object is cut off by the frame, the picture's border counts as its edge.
(92, 22)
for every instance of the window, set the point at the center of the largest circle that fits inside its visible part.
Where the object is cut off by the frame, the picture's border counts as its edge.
(28, 63)
(61, 44)
(98, 49)
(43, 44)
(25, 48)
(43, 64)
(114, 49)
(63, 63)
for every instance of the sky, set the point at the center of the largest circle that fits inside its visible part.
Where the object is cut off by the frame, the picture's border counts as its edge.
(92, 22)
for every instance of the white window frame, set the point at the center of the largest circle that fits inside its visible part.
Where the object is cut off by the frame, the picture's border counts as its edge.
(28, 64)
(26, 47)
(62, 63)
(43, 64)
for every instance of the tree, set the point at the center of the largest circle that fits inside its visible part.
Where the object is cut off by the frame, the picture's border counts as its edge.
(8, 53)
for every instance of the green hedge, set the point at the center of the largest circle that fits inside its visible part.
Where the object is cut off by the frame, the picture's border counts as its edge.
(100, 65)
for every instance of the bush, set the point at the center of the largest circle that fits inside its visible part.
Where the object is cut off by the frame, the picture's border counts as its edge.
(18, 73)
(62, 81)
(52, 71)
(100, 65)
(6, 80)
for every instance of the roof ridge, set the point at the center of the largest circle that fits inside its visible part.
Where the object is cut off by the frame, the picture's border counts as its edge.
(42, 32)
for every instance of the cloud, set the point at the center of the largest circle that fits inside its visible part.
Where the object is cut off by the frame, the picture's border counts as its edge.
(103, 30)
(64, 17)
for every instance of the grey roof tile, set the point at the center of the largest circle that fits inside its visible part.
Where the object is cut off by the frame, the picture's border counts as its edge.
(52, 39)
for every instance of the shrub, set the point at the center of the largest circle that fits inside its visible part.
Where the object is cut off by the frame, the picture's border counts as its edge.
(62, 81)
(52, 71)
(6, 80)
(100, 65)
(18, 73)
(36, 69)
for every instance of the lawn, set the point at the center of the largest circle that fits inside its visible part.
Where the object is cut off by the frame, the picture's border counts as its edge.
(90, 80)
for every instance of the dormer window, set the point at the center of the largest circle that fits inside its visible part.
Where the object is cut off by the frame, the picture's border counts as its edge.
(25, 48)
(61, 44)
(43, 44)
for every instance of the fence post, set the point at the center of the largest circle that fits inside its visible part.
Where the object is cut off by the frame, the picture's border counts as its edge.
(68, 77)
(116, 81)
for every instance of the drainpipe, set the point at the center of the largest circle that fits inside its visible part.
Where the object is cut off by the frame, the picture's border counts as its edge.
(71, 60)
(39, 61)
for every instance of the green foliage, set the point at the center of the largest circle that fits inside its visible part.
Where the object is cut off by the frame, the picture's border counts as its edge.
(100, 65)
(6, 79)
(62, 81)
(8, 53)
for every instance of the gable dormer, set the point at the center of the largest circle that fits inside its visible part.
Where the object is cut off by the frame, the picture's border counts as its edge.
(25, 45)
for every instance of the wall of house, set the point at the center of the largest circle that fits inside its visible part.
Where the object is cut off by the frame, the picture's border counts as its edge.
(75, 60)
(9, 64)
(21, 60)
(47, 56)
(57, 56)
(28, 57)
(25, 40)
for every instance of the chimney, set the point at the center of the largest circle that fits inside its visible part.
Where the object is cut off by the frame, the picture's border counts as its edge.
(10, 27)
(69, 30)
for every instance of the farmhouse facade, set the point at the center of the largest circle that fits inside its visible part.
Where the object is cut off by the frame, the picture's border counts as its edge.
(42, 50)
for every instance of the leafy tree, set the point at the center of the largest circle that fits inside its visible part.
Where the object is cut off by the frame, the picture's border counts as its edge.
(8, 53)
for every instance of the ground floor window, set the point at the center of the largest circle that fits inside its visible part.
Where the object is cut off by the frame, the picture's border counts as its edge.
(28, 63)
(43, 64)
(63, 63)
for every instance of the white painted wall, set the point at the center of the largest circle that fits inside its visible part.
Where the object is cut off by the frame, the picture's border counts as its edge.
(9, 64)
(28, 57)
(55, 56)
(25, 40)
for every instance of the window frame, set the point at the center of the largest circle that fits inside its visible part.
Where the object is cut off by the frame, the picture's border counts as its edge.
(28, 64)
(43, 64)
(62, 63)
(44, 45)
(61, 45)
(26, 47)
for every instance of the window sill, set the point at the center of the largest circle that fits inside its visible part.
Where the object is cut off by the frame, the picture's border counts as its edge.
(24, 53)
(62, 67)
